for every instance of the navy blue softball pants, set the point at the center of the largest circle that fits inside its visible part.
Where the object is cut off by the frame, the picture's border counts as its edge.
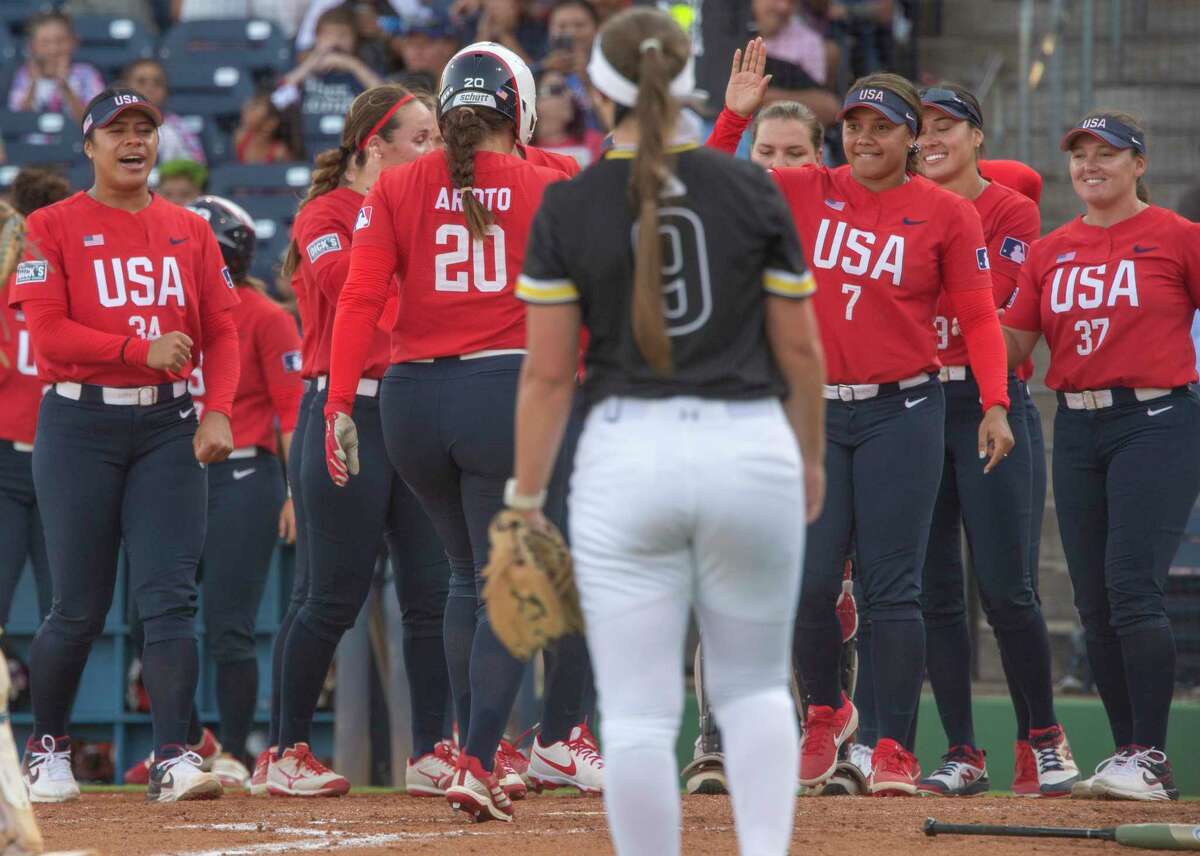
(244, 498)
(449, 434)
(346, 527)
(995, 510)
(110, 475)
(300, 553)
(21, 535)
(1125, 480)
(883, 466)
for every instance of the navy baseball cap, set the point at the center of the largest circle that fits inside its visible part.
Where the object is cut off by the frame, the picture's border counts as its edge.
(114, 101)
(886, 103)
(1107, 129)
(949, 102)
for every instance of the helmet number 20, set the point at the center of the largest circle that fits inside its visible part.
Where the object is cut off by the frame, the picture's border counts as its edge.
(464, 248)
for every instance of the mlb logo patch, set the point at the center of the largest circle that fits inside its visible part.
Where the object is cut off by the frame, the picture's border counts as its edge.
(1014, 249)
(1065, 257)
(981, 258)
(228, 277)
(364, 217)
(31, 272)
(292, 362)
(93, 240)
(330, 243)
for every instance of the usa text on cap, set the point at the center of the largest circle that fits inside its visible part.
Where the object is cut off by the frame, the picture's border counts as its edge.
(111, 103)
(949, 102)
(1107, 129)
(884, 102)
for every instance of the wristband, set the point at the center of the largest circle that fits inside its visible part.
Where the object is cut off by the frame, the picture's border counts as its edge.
(517, 502)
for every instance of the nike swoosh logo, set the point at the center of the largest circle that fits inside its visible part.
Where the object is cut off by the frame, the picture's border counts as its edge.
(238, 475)
(175, 241)
(433, 778)
(566, 771)
(1156, 411)
(908, 222)
(184, 414)
(910, 404)
(1141, 249)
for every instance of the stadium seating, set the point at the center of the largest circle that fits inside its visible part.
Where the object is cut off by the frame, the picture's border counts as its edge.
(322, 131)
(19, 125)
(8, 61)
(64, 153)
(206, 95)
(254, 44)
(110, 44)
(14, 13)
(272, 179)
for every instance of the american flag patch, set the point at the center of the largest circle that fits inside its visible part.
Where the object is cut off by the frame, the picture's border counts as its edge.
(1065, 257)
(835, 204)
(93, 240)
(292, 362)
(501, 94)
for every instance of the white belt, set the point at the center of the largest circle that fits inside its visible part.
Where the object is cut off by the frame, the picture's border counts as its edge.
(141, 396)
(22, 447)
(948, 373)
(861, 391)
(1098, 399)
(243, 452)
(368, 387)
(479, 355)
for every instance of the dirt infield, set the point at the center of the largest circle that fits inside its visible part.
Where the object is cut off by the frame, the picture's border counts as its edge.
(122, 823)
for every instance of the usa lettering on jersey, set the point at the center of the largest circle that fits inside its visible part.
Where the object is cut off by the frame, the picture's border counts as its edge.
(1091, 287)
(135, 281)
(855, 251)
(31, 272)
(493, 198)
(330, 243)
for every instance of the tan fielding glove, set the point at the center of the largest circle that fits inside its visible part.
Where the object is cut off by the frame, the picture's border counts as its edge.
(530, 585)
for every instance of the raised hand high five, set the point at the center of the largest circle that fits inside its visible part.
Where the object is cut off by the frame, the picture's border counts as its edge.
(747, 87)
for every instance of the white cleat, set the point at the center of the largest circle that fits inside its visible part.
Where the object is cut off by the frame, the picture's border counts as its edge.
(180, 778)
(432, 773)
(571, 763)
(231, 772)
(1145, 775)
(47, 771)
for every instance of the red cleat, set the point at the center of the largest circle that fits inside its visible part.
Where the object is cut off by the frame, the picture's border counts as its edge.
(895, 771)
(825, 730)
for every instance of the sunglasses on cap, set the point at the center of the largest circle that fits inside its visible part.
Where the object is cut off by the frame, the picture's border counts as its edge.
(952, 104)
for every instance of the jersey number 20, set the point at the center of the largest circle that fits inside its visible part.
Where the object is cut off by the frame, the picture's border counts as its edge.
(463, 248)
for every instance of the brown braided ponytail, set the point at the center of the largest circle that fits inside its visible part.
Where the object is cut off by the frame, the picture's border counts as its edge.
(329, 167)
(463, 131)
(648, 48)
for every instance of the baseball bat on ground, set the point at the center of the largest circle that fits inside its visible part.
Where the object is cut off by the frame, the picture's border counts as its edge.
(1149, 836)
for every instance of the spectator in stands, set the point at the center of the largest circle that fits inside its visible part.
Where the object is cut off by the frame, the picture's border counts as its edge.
(175, 141)
(425, 49)
(266, 134)
(49, 82)
(572, 28)
(561, 125)
(137, 10)
(605, 9)
(863, 32)
(181, 181)
(285, 14)
(332, 76)
(799, 59)
(508, 23)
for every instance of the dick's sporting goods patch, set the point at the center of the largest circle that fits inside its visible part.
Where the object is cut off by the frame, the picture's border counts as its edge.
(1014, 249)
(292, 362)
(31, 272)
(364, 217)
(330, 243)
(981, 258)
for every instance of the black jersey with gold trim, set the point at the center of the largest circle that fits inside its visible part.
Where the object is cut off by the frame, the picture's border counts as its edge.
(728, 242)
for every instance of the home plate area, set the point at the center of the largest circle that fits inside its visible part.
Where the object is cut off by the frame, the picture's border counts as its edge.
(384, 822)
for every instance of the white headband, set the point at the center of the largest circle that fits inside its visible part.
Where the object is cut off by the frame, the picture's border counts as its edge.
(624, 91)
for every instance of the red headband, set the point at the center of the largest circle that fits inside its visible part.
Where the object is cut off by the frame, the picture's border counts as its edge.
(386, 118)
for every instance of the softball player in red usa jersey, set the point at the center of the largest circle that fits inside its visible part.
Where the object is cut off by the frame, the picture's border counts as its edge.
(21, 535)
(386, 126)
(885, 245)
(452, 226)
(128, 287)
(995, 507)
(1114, 292)
(246, 491)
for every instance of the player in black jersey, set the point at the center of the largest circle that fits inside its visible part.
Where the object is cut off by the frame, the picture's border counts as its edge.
(692, 476)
